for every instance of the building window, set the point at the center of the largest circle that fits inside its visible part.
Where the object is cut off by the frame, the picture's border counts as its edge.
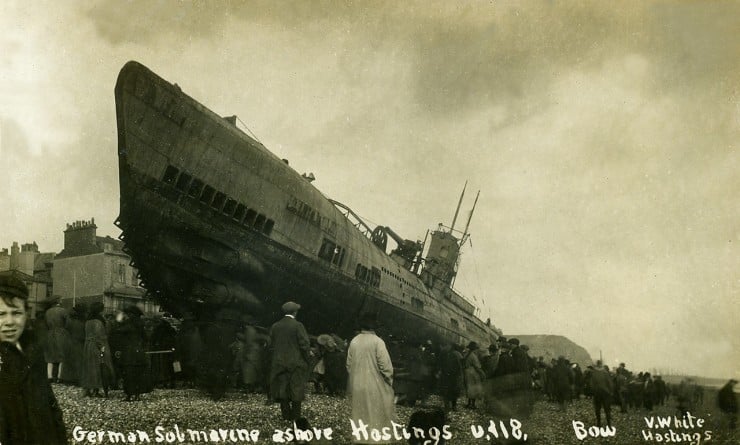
(121, 273)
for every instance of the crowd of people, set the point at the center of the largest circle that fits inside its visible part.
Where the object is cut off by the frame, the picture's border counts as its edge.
(128, 351)
(98, 352)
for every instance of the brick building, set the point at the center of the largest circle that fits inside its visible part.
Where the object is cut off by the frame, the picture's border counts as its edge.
(94, 268)
(32, 267)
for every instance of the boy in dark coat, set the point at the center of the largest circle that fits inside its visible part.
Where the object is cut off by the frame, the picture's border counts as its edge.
(29, 412)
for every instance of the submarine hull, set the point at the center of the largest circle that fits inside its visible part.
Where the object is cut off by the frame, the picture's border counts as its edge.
(220, 228)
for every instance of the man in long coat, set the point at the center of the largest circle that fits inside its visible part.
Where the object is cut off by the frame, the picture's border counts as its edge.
(132, 354)
(291, 352)
(602, 388)
(727, 401)
(450, 376)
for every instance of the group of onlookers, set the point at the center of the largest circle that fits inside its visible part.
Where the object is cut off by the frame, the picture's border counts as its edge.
(85, 348)
(563, 381)
(81, 346)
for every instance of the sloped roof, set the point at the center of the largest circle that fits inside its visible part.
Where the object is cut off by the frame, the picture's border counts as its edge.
(18, 274)
(117, 244)
(39, 263)
(130, 291)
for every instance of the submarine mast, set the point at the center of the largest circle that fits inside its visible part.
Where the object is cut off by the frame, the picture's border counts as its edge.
(440, 264)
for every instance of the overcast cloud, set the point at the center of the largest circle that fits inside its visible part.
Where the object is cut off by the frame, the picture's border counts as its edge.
(603, 138)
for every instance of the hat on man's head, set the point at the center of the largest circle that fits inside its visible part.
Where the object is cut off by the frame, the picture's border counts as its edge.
(133, 311)
(96, 308)
(368, 320)
(79, 309)
(514, 341)
(290, 306)
(53, 300)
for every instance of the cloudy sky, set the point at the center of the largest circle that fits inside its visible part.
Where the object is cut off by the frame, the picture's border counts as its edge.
(603, 139)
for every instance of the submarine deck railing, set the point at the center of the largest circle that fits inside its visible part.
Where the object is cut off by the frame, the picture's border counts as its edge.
(353, 218)
(356, 221)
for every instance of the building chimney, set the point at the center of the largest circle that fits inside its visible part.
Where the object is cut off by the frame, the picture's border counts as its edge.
(80, 236)
(14, 251)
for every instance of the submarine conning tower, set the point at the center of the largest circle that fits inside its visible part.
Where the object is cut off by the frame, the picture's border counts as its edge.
(440, 264)
(441, 259)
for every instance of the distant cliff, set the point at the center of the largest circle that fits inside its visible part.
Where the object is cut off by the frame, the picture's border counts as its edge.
(553, 346)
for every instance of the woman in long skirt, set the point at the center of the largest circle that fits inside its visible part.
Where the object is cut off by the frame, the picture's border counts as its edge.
(474, 375)
(97, 368)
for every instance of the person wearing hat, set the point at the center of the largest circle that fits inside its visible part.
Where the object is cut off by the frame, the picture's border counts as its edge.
(75, 326)
(29, 412)
(505, 360)
(727, 402)
(450, 375)
(291, 353)
(57, 339)
(97, 369)
(473, 374)
(602, 389)
(370, 387)
(519, 357)
(131, 355)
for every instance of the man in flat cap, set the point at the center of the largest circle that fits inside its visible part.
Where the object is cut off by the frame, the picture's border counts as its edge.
(290, 357)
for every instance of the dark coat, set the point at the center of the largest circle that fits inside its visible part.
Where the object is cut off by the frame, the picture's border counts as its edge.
(164, 338)
(727, 399)
(132, 355)
(561, 377)
(97, 367)
(505, 364)
(520, 360)
(57, 338)
(73, 361)
(290, 357)
(336, 371)
(450, 374)
(602, 383)
(29, 413)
